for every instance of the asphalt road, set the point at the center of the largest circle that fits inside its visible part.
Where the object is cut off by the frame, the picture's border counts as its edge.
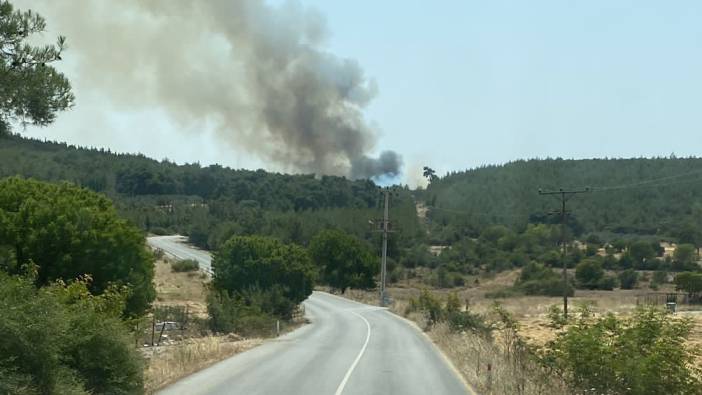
(176, 246)
(348, 348)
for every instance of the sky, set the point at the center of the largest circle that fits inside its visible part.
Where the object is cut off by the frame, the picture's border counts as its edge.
(461, 84)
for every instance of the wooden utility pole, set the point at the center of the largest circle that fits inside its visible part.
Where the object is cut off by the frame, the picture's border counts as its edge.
(564, 196)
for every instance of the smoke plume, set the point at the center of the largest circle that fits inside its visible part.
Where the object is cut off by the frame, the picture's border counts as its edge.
(258, 74)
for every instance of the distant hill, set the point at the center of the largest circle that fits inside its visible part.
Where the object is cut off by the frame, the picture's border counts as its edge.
(641, 196)
(137, 175)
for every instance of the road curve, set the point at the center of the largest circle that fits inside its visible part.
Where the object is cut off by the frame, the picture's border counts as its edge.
(176, 246)
(348, 348)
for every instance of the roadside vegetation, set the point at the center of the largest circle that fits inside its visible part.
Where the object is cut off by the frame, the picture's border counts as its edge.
(185, 265)
(61, 339)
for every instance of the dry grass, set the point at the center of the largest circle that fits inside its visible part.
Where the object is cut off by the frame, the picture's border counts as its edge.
(471, 353)
(180, 289)
(169, 363)
(488, 368)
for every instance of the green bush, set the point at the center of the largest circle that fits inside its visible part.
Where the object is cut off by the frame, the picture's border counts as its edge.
(229, 314)
(685, 258)
(628, 279)
(645, 354)
(589, 273)
(607, 283)
(187, 265)
(253, 268)
(536, 279)
(451, 313)
(552, 286)
(61, 340)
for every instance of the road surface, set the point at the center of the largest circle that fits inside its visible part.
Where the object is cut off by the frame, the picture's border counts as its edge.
(348, 348)
(176, 246)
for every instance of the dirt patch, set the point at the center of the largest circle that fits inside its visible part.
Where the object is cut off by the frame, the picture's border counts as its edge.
(180, 289)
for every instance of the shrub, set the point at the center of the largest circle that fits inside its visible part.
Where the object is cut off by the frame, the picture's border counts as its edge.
(536, 279)
(60, 339)
(685, 257)
(589, 274)
(468, 321)
(228, 314)
(645, 354)
(253, 268)
(552, 286)
(555, 316)
(607, 283)
(458, 320)
(628, 279)
(187, 265)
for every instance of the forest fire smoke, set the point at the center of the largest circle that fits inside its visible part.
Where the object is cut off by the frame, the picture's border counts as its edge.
(258, 73)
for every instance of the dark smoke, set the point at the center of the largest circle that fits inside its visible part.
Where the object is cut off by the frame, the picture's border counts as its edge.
(258, 73)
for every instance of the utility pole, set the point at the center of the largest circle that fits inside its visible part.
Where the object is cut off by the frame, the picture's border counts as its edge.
(384, 227)
(564, 196)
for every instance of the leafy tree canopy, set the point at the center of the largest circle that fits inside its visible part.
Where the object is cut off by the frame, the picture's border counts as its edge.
(247, 265)
(31, 90)
(69, 232)
(344, 261)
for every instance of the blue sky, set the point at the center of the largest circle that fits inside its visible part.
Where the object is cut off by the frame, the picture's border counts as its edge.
(467, 83)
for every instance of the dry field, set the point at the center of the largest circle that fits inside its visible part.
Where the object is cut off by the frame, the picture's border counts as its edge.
(180, 289)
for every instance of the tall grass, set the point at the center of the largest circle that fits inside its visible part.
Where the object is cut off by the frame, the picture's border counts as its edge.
(169, 363)
(494, 368)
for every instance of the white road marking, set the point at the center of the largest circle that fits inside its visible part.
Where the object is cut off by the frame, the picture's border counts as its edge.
(340, 389)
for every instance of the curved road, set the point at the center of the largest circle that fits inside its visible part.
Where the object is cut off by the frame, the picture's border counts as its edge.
(176, 246)
(349, 348)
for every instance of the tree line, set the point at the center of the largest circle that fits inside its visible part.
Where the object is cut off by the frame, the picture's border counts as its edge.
(642, 196)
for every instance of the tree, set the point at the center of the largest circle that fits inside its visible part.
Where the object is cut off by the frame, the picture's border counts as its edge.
(429, 174)
(685, 257)
(69, 232)
(31, 91)
(628, 279)
(343, 260)
(251, 268)
(641, 251)
(590, 275)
